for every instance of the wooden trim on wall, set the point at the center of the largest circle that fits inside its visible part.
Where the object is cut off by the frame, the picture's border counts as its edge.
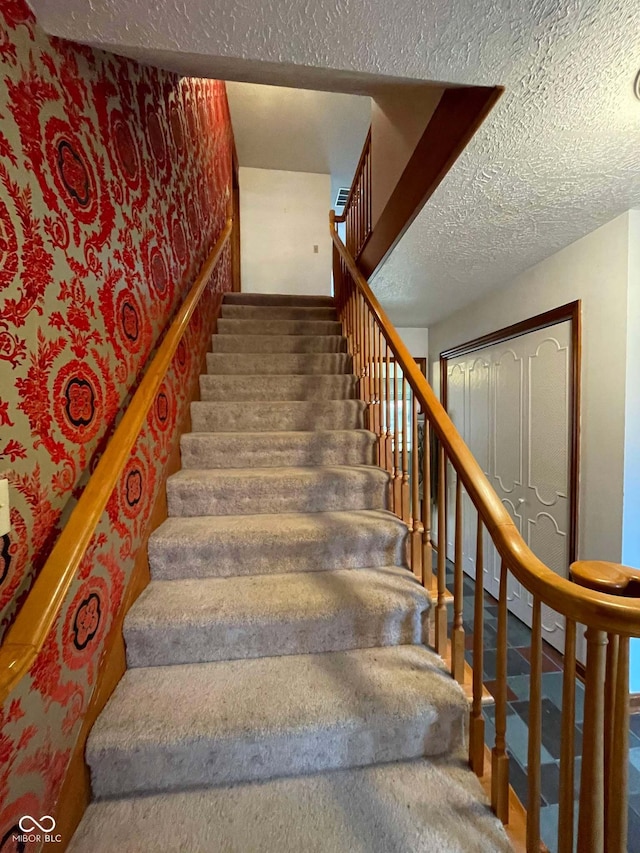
(457, 117)
(75, 793)
(570, 312)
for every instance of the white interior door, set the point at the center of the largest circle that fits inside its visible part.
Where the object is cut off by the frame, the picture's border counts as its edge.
(511, 403)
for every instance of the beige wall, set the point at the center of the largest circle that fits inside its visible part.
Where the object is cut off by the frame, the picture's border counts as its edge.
(416, 340)
(595, 270)
(283, 215)
(397, 123)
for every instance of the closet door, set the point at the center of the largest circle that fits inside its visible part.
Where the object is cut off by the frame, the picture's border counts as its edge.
(511, 403)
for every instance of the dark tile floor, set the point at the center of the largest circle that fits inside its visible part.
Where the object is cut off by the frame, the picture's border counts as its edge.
(518, 671)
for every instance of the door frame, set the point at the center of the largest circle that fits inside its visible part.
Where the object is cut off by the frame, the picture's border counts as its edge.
(571, 312)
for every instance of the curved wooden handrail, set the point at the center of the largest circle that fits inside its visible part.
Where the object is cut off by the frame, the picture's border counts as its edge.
(606, 577)
(36, 617)
(600, 610)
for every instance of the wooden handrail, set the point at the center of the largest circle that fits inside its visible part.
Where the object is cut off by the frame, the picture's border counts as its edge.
(363, 154)
(606, 577)
(600, 610)
(36, 617)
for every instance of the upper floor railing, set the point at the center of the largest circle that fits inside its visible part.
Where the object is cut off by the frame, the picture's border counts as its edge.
(357, 208)
(401, 405)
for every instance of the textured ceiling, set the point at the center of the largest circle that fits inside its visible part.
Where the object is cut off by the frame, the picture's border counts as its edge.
(557, 157)
(299, 130)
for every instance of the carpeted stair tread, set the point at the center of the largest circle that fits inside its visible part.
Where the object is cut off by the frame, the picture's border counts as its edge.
(291, 299)
(168, 728)
(236, 491)
(277, 449)
(279, 327)
(229, 546)
(419, 806)
(279, 343)
(224, 388)
(213, 619)
(277, 312)
(278, 363)
(267, 415)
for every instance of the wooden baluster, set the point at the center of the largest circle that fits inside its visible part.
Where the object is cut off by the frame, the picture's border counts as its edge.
(457, 632)
(360, 212)
(365, 362)
(567, 741)
(387, 382)
(417, 531)
(441, 607)
(350, 306)
(476, 723)
(609, 732)
(347, 229)
(364, 377)
(397, 471)
(356, 224)
(374, 381)
(535, 731)
(427, 553)
(499, 757)
(406, 494)
(591, 811)
(380, 414)
(370, 363)
(369, 193)
(338, 289)
(361, 348)
(618, 781)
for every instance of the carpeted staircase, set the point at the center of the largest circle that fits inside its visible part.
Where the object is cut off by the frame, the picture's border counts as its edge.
(278, 696)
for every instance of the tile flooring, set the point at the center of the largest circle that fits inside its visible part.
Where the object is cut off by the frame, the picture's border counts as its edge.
(518, 656)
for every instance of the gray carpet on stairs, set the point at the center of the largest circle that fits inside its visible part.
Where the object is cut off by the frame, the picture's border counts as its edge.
(241, 545)
(278, 343)
(277, 449)
(421, 806)
(279, 695)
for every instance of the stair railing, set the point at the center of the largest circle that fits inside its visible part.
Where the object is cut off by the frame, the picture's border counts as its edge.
(26, 636)
(357, 209)
(418, 490)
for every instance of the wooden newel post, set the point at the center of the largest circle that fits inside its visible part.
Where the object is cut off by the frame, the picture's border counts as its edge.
(591, 813)
(604, 784)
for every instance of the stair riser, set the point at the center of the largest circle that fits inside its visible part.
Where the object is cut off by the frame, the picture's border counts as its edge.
(276, 450)
(205, 640)
(278, 364)
(255, 497)
(279, 327)
(231, 553)
(276, 312)
(281, 388)
(292, 300)
(279, 343)
(268, 417)
(266, 755)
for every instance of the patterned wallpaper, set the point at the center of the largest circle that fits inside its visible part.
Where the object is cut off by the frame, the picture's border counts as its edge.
(114, 179)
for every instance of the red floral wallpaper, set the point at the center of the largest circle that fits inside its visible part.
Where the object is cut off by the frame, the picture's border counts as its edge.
(114, 179)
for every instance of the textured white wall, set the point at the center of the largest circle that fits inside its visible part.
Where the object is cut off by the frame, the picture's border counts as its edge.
(593, 269)
(631, 504)
(282, 216)
(416, 341)
(631, 538)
